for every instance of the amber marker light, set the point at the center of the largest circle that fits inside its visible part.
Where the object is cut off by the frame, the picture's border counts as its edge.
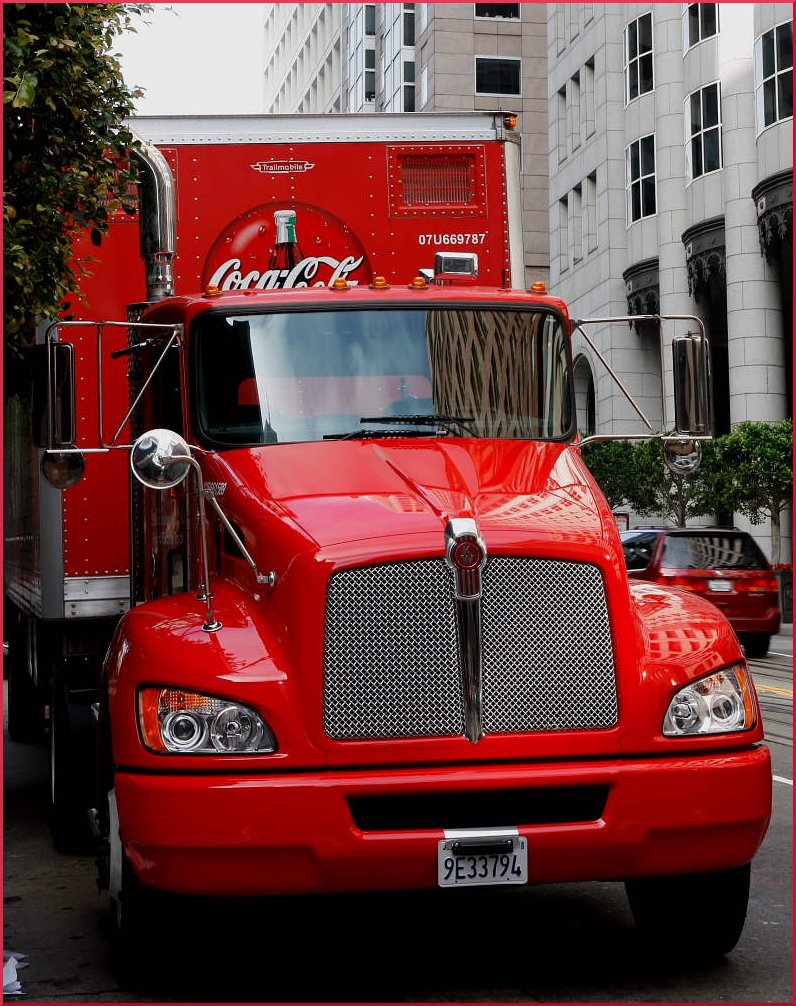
(148, 704)
(538, 287)
(212, 291)
(419, 283)
(379, 283)
(510, 121)
(340, 284)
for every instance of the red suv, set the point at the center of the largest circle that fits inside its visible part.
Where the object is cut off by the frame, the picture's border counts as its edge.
(724, 565)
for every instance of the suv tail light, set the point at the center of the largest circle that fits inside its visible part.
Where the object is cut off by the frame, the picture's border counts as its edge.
(696, 583)
(757, 585)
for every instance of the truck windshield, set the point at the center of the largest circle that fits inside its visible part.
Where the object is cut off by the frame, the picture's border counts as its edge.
(301, 376)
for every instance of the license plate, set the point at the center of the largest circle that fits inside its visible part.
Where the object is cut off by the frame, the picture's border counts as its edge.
(721, 586)
(476, 862)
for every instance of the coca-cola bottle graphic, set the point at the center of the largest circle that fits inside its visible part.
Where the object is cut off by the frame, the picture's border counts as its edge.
(287, 252)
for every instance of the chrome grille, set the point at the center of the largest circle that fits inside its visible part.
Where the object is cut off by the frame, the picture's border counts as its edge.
(391, 658)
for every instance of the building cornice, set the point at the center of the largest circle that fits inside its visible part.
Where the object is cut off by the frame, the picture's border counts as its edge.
(705, 255)
(773, 198)
(642, 287)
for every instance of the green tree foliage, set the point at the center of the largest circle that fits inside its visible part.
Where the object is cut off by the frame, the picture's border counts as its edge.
(659, 492)
(611, 463)
(748, 471)
(754, 473)
(66, 167)
(632, 473)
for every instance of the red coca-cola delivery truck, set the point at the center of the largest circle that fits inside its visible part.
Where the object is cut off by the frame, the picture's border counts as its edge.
(305, 574)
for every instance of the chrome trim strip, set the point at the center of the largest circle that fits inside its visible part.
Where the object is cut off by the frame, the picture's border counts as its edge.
(465, 553)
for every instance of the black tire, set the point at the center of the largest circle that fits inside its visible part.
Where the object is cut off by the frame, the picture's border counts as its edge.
(756, 644)
(139, 925)
(26, 713)
(704, 910)
(71, 771)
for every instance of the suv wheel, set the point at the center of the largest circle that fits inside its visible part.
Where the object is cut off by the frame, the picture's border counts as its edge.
(755, 643)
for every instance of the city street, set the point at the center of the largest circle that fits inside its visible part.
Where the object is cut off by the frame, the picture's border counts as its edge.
(573, 943)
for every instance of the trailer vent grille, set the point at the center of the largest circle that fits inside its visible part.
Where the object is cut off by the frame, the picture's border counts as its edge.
(391, 658)
(450, 182)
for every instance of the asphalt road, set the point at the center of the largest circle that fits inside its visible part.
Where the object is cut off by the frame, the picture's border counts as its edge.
(562, 943)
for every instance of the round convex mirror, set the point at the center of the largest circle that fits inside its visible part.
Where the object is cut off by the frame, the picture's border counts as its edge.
(158, 459)
(63, 469)
(682, 457)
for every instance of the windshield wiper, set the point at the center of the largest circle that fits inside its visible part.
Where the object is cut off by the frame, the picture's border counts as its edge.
(374, 434)
(417, 420)
(413, 420)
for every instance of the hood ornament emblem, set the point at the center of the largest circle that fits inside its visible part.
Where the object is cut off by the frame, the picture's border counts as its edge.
(465, 553)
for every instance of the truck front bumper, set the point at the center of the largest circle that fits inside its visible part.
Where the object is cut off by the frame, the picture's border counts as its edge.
(285, 833)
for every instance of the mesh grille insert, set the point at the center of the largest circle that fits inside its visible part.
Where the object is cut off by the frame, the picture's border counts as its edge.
(391, 659)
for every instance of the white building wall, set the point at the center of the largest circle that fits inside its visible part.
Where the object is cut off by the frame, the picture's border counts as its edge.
(590, 278)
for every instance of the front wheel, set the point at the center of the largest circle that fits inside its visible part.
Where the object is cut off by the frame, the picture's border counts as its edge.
(702, 910)
(140, 917)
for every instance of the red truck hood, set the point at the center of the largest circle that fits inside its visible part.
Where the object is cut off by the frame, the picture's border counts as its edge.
(338, 492)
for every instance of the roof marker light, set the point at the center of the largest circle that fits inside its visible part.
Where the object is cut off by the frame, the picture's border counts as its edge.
(538, 287)
(212, 291)
(340, 284)
(419, 283)
(379, 283)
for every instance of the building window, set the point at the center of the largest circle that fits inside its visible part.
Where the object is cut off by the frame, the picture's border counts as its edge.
(370, 20)
(563, 233)
(638, 57)
(590, 213)
(576, 207)
(700, 21)
(509, 11)
(587, 96)
(574, 111)
(703, 131)
(561, 28)
(562, 124)
(497, 76)
(409, 85)
(774, 75)
(409, 24)
(370, 75)
(640, 175)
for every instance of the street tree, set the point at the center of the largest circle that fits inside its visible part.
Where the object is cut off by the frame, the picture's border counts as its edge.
(634, 474)
(657, 491)
(754, 474)
(66, 149)
(611, 463)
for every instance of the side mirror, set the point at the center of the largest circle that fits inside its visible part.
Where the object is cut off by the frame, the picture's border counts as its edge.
(53, 413)
(693, 405)
(160, 459)
(54, 395)
(682, 457)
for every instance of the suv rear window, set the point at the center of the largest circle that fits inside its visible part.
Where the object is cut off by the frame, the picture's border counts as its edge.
(638, 548)
(712, 551)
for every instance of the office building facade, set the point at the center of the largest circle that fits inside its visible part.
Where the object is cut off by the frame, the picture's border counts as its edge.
(657, 165)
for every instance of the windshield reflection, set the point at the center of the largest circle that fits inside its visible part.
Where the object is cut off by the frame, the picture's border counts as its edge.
(302, 376)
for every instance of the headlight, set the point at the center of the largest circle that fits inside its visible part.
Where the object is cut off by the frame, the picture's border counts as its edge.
(718, 704)
(181, 722)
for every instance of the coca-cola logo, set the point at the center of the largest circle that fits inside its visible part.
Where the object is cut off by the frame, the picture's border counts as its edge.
(229, 275)
(247, 255)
